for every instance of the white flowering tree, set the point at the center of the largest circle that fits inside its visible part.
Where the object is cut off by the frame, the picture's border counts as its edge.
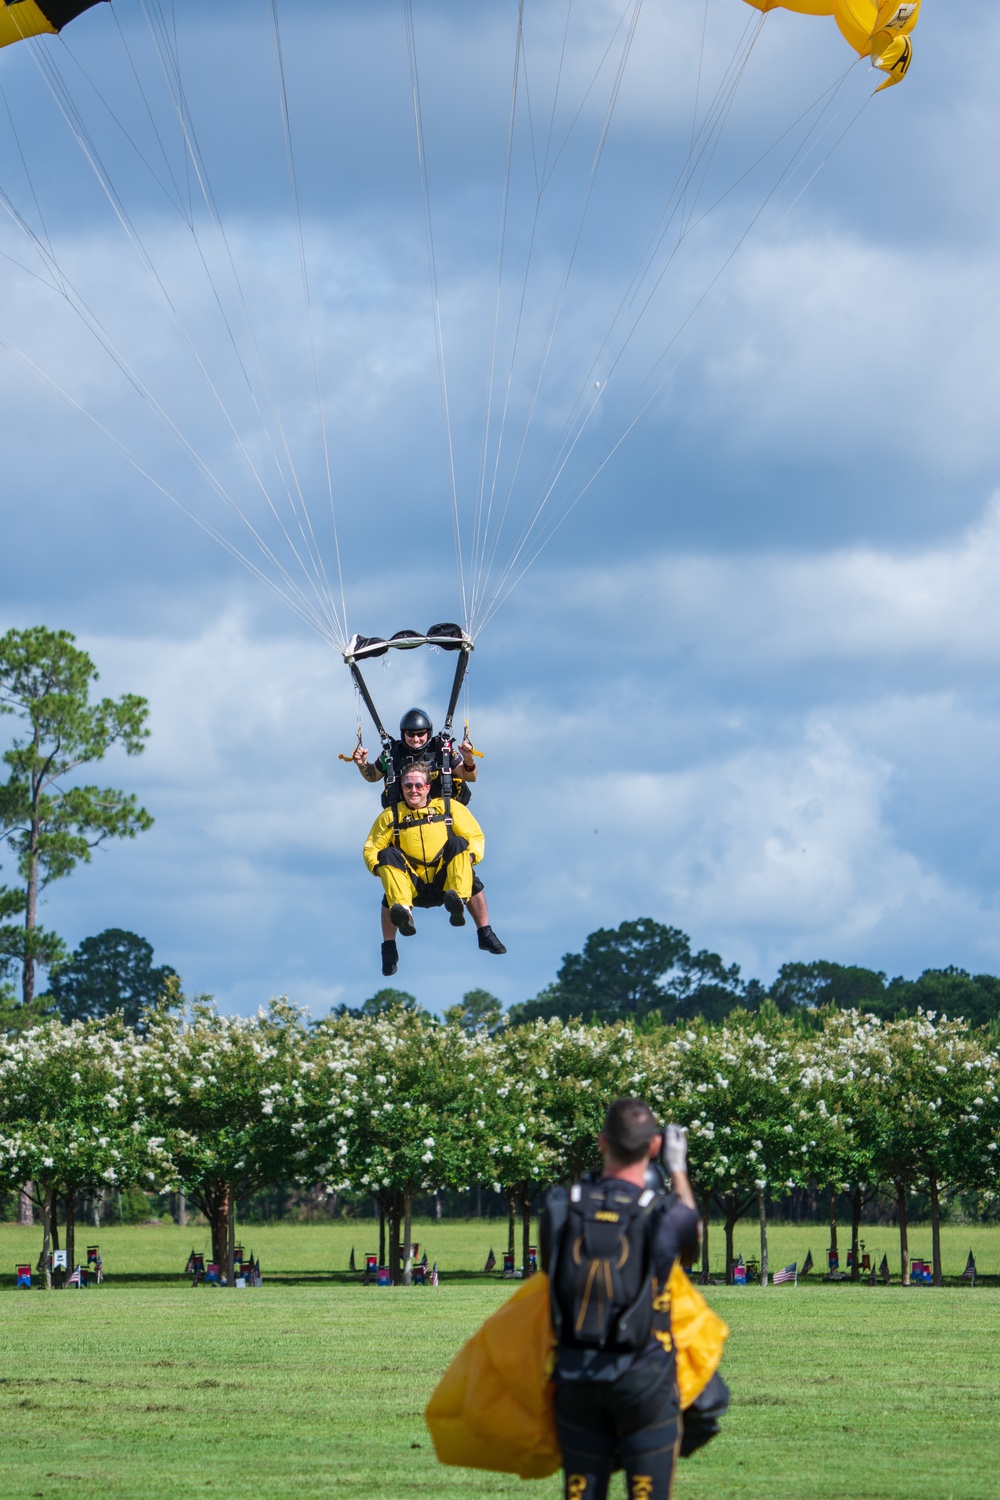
(227, 1093)
(74, 1119)
(752, 1123)
(395, 1109)
(924, 1105)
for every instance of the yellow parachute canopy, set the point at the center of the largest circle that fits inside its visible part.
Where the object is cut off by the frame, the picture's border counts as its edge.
(21, 18)
(879, 31)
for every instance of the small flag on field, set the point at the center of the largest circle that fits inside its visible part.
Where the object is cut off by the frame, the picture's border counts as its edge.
(352, 1266)
(424, 1262)
(787, 1273)
(491, 1262)
(74, 1279)
(807, 1264)
(434, 1274)
(969, 1274)
(24, 1278)
(872, 1277)
(884, 1271)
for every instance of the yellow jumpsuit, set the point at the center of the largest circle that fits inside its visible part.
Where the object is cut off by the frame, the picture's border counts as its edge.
(420, 837)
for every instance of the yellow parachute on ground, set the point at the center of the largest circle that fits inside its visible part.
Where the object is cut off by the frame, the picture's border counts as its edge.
(21, 18)
(879, 31)
(492, 1407)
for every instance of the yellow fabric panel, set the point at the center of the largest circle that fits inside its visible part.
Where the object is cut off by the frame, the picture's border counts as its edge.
(699, 1336)
(896, 18)
(19, 21)
(856, 19)
(894, 58)
(804, 7)
(492, 1407)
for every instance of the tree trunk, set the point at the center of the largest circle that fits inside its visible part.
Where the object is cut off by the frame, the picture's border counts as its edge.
(833, 1221)
(704, 1239)
(231, 1235)
(394, 1239)
(43, 1266)
(904, 1241)
(511, 1220)
(856, 1198)
(932, 1183)
(25, 1207)
(525, 1230)
(381, 1232)
(763, 1236)
(730, 1226)
(408, 1236)
(31, 893)
(181, 1212)
(70, 1202)
(437, 1207)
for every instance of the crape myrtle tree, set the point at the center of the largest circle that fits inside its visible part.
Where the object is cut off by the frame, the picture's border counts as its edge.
(741, 1090)
(845, 1159)
(49, 822)
(73, 1120)
(228, 1093)
(395, 1108)
(519, 1135)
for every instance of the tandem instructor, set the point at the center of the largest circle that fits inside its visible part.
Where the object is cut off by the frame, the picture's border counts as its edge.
(609, 1247)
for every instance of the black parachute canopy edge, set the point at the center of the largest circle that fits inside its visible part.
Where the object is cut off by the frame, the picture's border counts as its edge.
(447, 636)
(59, 12)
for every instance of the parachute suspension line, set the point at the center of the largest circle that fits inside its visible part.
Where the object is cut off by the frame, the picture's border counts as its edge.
(302, 609)
(64, 287)
(636, 8)
(509, 583)
(491, 363)
(306, 292)
(166, 50)
(479, 550)
(418, 125)
(88, 147)
(697, 85)
(74, 121)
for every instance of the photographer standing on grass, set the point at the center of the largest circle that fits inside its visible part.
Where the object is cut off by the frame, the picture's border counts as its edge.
(609, 1247)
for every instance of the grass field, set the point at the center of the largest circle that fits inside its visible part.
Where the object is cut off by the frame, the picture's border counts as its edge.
(309, 1387)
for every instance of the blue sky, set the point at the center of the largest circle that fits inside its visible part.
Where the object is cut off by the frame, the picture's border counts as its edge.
(748, 688)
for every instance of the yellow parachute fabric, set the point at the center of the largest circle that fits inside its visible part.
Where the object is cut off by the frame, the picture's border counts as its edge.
(492, 1407)
(23, 18)
(877, 30)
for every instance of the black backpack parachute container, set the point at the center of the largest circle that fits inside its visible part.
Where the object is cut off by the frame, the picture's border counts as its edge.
(602, 1267)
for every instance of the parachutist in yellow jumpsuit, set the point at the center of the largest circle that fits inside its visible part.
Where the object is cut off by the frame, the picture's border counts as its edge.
(423, 862)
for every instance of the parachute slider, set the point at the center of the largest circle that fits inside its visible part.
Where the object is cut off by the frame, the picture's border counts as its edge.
(445, 635)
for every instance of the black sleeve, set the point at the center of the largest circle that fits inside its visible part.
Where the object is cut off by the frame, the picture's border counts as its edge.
(676, 1236)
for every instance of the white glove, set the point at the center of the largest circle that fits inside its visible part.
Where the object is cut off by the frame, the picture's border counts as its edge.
(675, 1148)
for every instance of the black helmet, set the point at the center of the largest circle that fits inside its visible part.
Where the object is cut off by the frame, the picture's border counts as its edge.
(415, 721)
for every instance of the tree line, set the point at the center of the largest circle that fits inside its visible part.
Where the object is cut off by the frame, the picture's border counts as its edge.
(399, 1103)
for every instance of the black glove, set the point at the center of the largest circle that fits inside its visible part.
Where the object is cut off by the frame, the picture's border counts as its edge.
(453, 844)
(391, 856)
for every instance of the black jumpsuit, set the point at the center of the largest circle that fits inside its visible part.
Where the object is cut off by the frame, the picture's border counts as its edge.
(615, 1410)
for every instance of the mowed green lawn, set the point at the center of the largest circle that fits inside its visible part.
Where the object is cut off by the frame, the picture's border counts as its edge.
(309, 1387)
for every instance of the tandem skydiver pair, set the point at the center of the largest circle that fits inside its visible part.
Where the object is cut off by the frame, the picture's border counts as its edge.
(423, 846)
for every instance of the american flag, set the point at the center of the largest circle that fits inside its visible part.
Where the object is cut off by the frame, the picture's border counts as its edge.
(74, 1279)
(807, 1264)
(352, 1266)
(872, 1277)
(491, 1261)
(884, 1271)
(787, 1273)
(434, 1274)
(423, 1262)
(969, 1274)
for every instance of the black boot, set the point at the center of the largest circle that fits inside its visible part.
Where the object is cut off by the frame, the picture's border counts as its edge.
(455, 907)
(390, 958)
(401, 917)
(489, 942)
